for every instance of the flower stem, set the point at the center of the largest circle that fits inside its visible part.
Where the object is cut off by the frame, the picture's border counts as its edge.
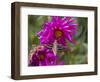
(55, 47)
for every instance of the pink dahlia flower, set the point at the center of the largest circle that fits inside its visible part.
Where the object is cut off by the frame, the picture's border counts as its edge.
(59, 29)
(44, 57)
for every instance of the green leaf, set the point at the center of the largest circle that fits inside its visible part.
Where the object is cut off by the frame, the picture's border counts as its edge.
(35, 40)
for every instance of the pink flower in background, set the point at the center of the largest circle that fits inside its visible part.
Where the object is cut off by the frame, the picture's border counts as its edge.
(44, 57)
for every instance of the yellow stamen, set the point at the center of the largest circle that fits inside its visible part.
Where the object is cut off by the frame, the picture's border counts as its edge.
(58, 33)
(41, 57)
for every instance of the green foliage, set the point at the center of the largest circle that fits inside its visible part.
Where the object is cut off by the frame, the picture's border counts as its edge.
(35, 40)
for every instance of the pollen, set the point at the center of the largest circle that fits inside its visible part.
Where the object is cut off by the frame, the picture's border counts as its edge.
(41, 57)
(58, 33)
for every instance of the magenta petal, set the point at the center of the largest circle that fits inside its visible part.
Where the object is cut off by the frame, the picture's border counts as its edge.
(62, 41)
(70, 29)
(65, 19)
(68, 36)
(71, 20)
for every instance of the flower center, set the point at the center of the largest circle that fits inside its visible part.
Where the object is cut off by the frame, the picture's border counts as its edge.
(58, 33)
(41, 57)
